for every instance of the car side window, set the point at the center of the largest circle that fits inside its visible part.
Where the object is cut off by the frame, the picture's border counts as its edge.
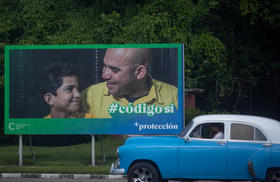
(259, 136)
(246, 132)
(208, 131)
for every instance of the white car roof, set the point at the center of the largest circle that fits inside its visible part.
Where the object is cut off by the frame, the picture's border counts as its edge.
(271, 127)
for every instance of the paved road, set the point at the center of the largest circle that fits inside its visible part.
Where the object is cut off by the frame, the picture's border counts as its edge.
(76, 180)
(58, 180)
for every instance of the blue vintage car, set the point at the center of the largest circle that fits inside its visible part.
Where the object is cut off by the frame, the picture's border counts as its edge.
(220, 147)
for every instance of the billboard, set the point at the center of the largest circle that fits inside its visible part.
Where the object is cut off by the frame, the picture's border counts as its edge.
(94, 89)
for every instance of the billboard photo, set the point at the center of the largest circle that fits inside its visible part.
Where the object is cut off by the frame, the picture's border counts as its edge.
(94, 89)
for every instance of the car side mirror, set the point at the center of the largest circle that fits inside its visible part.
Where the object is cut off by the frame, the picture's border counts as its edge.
(188, 139)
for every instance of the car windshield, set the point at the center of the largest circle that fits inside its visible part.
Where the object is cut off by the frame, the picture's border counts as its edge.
(185, 131)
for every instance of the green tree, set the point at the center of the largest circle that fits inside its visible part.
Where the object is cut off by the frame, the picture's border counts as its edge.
(224, 40)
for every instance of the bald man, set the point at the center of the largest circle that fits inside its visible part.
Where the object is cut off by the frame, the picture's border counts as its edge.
(127, 81)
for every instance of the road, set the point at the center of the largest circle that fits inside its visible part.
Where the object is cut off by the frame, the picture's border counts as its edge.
(79, 180)
(58, 180)
(82, 180)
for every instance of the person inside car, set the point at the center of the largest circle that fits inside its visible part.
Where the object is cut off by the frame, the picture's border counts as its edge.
(217, 128)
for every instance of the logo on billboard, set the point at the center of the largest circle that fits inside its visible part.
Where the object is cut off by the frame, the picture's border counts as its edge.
(12, 126)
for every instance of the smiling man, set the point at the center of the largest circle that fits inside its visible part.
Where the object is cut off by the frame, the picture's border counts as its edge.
(59, 88)
(125, 72)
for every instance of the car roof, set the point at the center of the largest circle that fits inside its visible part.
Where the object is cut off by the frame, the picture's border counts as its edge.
(270, 126)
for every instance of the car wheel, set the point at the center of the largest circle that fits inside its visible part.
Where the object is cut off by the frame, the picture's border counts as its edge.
(143, 172)
(273, 175)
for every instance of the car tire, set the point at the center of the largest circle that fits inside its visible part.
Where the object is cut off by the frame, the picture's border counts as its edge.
(143, 172)
(273, 175)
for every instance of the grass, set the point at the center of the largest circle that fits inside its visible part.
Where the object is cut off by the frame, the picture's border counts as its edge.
(66, 160)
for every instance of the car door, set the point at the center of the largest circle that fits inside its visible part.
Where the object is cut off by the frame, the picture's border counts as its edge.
(247, 143)
(201, 156)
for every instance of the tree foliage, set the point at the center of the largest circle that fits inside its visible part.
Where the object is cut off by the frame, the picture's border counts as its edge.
(265, 12)
(224, 40)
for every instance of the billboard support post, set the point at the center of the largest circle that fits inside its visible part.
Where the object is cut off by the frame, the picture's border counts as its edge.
(93, 150)
(31, 148)
(20, 150)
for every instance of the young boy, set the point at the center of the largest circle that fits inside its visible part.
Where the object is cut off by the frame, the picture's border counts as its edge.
(60, 90)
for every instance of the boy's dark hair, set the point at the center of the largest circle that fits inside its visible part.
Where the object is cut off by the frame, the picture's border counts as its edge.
(52, 76)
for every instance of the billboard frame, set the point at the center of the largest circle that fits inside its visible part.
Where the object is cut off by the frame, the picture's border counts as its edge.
(21, 123)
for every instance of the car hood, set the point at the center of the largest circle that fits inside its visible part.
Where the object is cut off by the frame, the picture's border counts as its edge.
(153, 139)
